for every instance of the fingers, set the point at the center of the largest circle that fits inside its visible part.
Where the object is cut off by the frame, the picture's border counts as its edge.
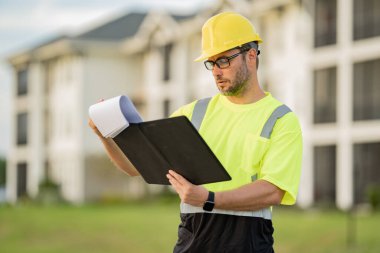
(178, 182)
(189, 193)
(94, 128)
(174, 182)
(178, 177)
(91, 123)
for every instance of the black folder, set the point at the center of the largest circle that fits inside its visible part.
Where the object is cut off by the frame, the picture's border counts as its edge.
(154, 147)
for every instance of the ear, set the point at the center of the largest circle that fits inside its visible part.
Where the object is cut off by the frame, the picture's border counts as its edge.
(252, 54)
(251, 57)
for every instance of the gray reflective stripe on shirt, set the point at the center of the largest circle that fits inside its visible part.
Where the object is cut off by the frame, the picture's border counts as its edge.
(265, 213)
(199, 112)
(276, 114)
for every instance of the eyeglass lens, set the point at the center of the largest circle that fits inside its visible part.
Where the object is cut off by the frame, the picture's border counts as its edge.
(222, 62)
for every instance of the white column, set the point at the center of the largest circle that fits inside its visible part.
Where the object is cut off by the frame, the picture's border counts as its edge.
(301, 90)
(11, 180)
(152, 81)
(79, 94)
(36, 128)
(305, 196)
(344, 175)
(179, 85)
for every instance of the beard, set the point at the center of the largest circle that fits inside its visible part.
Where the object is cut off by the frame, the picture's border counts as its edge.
(238, 83)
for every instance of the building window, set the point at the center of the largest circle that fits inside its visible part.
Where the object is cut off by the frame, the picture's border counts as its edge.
(325, 95)
(325, 23)
(366, 90)
(324, 174)
(166, 55)
(366, 170)
(3, 172)
(22, 82)
(21, 180)
(22, 128)
(47, 122)
(49, 74)
(166, 108)
(366, 19)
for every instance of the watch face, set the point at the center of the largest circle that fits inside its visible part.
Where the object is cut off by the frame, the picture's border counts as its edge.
(208, 206)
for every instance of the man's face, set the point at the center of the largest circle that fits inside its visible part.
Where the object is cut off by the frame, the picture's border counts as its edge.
(232, 80)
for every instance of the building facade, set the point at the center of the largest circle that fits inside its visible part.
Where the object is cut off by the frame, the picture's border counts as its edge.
(319, 57)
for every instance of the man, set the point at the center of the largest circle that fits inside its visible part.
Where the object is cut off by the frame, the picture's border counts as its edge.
(257, 139)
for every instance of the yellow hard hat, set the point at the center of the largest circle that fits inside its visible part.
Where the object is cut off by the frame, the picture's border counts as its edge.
(225, 31)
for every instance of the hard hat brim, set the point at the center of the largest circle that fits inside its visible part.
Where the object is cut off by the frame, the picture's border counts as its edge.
(209, 54)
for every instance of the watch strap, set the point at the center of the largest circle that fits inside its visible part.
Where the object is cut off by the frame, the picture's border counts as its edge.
(210, 202)
(211, 197)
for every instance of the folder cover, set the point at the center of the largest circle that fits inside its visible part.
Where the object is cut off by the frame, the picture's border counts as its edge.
(155, 147)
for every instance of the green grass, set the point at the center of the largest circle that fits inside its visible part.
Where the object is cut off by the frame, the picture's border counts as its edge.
(326, 231)
(152, 227)
(123, 228)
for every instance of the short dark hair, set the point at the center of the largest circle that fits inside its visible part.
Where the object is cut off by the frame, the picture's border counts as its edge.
(247, 46)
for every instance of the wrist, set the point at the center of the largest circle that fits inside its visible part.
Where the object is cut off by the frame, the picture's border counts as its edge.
(103, 139)
(217, 200)
(220, 200)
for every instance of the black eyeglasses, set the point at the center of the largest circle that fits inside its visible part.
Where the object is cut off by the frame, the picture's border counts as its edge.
(222, 62)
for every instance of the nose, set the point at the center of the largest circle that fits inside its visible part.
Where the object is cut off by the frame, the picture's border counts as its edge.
(216, 71)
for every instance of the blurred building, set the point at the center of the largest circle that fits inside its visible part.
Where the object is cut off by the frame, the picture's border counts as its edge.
(320, 57)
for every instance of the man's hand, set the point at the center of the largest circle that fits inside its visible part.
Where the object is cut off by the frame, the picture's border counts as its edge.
(191, 194)
(93, 126)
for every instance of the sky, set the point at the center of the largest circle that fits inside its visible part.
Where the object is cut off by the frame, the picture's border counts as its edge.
(25, 23)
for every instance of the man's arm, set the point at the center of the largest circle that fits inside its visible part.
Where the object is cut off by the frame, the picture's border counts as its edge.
(250, 197)
(114, 153)
(254, 196)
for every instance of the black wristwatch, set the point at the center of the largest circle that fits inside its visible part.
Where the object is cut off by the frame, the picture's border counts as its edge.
(209, 204)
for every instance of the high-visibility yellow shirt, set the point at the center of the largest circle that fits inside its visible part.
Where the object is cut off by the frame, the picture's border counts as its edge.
(232, 131)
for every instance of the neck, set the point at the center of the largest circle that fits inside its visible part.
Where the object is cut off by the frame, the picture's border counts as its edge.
(251, 94)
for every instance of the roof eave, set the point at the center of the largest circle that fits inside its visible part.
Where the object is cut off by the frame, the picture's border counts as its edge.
(44, 52)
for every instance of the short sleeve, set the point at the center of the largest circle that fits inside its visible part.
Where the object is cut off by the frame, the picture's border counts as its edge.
(281, 165)
(186, 110)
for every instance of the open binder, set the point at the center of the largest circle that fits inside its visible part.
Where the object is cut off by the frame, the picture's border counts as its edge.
(154, 147)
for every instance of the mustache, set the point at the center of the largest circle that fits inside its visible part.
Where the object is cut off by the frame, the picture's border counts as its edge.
(220, 78)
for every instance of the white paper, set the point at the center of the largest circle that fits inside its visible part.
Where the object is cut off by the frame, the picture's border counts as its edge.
(113, 115)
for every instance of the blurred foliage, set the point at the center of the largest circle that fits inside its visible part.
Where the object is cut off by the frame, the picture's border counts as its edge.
(2, 171)
(166, 197)
(373, 196)
(49, 193)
